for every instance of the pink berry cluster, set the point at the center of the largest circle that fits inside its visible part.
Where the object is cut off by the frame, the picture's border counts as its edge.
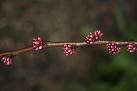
(7, 60)
(68, 49)
(37, 43)
(93, 36)
(132, 47)
(113, 48)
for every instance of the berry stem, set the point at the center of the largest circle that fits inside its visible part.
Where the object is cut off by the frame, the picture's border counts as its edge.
(58, 44)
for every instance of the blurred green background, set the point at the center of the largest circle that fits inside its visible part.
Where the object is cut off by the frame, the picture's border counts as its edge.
(91, 69)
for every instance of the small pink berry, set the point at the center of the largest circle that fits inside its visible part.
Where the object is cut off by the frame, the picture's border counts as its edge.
(113, 48)
(131, 47)
(37, 43)
(92, 37)
(68, 49)
(6, 60)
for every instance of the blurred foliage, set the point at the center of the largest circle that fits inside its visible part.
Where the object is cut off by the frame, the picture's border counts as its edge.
(91, 69)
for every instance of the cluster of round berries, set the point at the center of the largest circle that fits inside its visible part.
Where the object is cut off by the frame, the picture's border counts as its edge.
(132, 47)
(7, 60)
(69, 49)
(37, 44)
(93, 36)
(113, 48)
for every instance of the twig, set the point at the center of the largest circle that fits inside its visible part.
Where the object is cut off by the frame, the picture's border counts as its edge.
(59, 44)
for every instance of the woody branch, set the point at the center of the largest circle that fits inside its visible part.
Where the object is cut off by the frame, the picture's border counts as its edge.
(60, 44)
(93, 38)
